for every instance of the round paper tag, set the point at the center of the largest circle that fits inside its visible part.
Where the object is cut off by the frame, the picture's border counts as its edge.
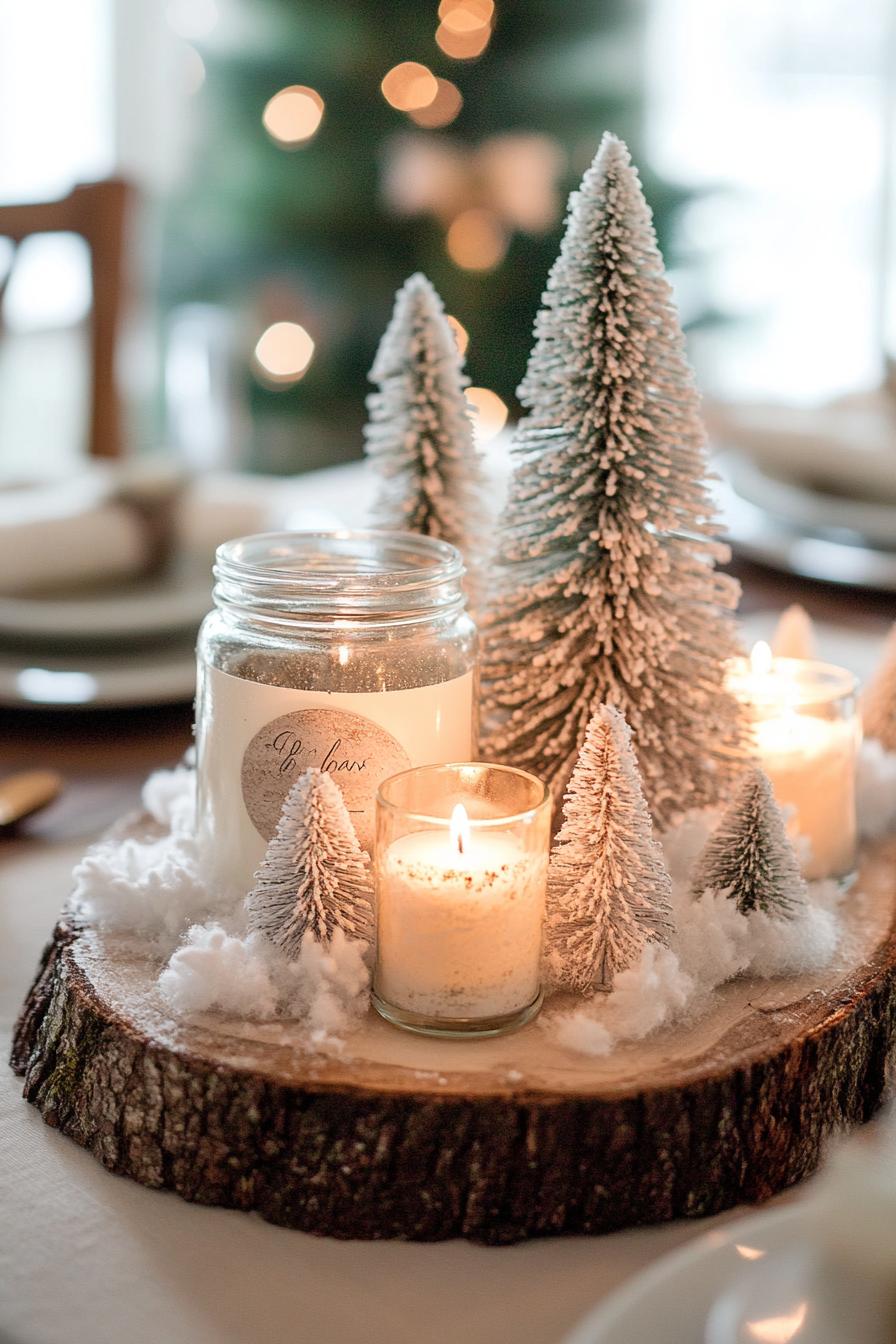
(355, 752)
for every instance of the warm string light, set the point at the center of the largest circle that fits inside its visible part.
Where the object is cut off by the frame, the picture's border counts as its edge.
(466, 16)
(488, 413)
(409, 86)
(461, 335)
(462, 46)
(465, 28)
(293, 115)
(476, 240)
(443, 109)
(282, 354)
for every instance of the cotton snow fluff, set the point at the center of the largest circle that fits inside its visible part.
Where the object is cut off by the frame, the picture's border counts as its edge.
(876, 790)
(246, 976)
(154, 885)
(169, 797)
(713, 942)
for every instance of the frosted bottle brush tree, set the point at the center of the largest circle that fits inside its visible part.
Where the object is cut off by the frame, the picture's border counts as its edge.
(314, 877)
(749, 857)
(605, 583)
(419, 435)
(879, 700)
(609, 890)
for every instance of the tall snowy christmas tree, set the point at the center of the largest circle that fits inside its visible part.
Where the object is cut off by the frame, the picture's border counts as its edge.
(314, 877)
(606, 591)
(609, 891)
(419, 435)
(750, 857)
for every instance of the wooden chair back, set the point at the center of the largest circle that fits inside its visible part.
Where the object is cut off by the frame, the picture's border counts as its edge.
(97, 212)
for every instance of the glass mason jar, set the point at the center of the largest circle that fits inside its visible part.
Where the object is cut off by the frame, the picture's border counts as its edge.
(349, 651)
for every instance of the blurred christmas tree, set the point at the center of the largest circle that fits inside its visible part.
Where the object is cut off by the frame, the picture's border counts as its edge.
(340, 147)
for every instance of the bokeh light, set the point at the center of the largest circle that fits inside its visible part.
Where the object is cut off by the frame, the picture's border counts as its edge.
(488, 412)
(193, 19)
(409, 86)
(476, 240)
(463, 46)
(461, 335)
(293, 115)
(283, 353)
(466, 16)
(443, 109)
(193, 69)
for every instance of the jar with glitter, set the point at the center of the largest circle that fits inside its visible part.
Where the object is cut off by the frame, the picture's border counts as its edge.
(352, 652)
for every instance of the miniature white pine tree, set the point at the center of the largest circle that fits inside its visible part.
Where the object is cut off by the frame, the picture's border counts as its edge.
(749, 857)
(605, 587)
(609, 891)
(794, 635)
(315, 876)
(879, 699)
(419, 436)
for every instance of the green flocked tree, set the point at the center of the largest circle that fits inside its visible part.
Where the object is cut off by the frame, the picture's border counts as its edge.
(605, 590)
(749, 857)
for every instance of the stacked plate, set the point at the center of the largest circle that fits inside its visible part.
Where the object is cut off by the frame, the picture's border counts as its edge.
(131, 643)
(812, 491)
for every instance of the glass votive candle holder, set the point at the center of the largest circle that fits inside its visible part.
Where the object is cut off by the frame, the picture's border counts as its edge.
(460, 868)
(806, 735)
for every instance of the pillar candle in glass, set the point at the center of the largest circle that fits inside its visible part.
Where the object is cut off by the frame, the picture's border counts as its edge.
(806, 735)
(349, 651)
(461, 869)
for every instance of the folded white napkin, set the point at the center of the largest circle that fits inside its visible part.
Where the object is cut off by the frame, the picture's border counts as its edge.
(105, 524)
(117, 522)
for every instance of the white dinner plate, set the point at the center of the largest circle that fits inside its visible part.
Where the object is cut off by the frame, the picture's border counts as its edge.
(174, 600)
(671, 1300)
(104, 681)
(758, 1280)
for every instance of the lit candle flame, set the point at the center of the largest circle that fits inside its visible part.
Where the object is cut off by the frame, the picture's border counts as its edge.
(761, 659)
(460, 828)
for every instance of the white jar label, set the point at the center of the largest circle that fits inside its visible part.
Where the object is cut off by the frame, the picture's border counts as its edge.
(357, 752)
(253, 741)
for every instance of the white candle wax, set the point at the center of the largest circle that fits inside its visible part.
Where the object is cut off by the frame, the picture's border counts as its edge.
(808, 750)
(811, 765)
(459, 932)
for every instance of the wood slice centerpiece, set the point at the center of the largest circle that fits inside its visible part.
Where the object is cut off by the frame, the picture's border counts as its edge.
(493, 1140)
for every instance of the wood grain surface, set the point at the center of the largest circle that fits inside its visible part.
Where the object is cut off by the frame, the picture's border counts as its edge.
(402, 1136)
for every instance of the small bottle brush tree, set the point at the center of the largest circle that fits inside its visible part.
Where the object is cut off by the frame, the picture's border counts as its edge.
(605, 590)
(609, 891)
(314, 877)
(794, 635)
(879, 700)
(419, 436)
(749, 857)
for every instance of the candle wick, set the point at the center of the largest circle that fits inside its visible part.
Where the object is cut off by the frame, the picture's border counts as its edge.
(460, 843)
